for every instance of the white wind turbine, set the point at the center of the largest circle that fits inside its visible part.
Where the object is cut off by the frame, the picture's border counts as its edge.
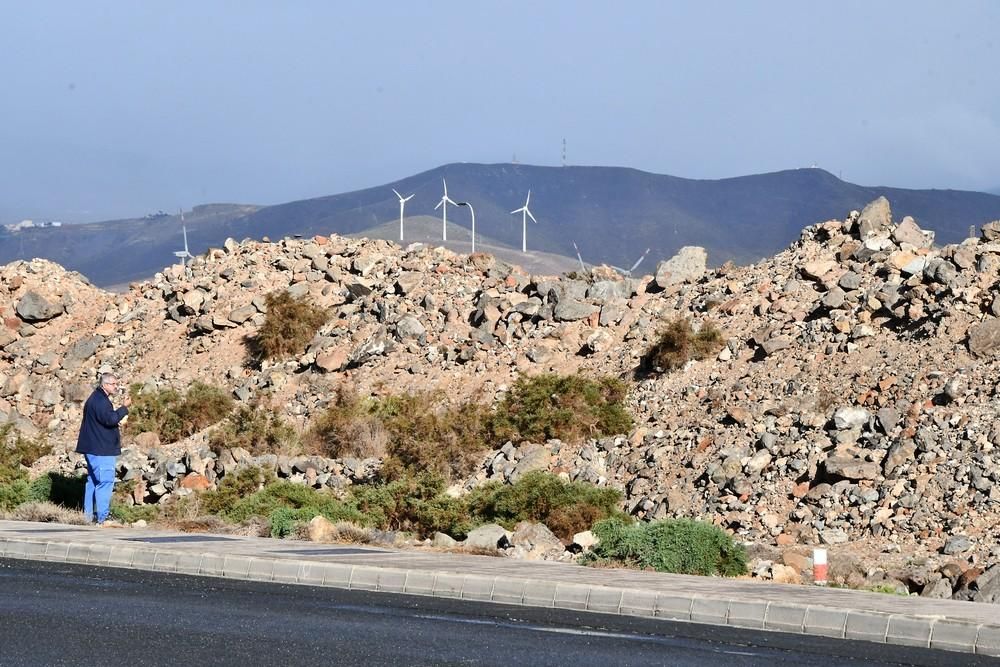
(184, 255)
(628, 273)
(402, 203)
(525, 214)
(443, 205)
(583, 267)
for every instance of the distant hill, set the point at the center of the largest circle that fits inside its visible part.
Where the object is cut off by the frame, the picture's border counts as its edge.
(612, 213)
(118, 251)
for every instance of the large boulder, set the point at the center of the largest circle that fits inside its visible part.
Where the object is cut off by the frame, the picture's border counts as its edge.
(489, 536)
(984, 338)
(33, 307)
(686, 266)
(876, 218)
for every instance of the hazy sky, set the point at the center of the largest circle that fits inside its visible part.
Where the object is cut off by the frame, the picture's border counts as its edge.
(120, 108)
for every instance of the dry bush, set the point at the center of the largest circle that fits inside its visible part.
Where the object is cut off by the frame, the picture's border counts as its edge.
(258, 429)
(290, 323)
(45, 512)
(678, 343)
(344, 532)
(569, 407)
(173, 416)
(428, 435)
(348, 427)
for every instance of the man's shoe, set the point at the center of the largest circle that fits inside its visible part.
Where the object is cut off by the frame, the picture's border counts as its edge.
(110, 523)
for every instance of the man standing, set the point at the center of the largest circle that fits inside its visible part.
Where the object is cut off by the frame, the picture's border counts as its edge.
(100, 444)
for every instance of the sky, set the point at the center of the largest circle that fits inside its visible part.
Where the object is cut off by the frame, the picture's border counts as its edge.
(117, 109)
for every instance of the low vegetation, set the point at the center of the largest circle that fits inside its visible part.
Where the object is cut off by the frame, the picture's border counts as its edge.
(173, 416)
(565, 507)
(289, 325)
(681, 546)
(678, 343)
(412, 432)
(569, 407)
(257, 428)
(17, 452)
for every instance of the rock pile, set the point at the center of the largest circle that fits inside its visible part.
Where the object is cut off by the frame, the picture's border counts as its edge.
(854, 404)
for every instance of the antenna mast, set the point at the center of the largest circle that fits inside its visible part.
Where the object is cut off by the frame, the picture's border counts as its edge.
(564, 152)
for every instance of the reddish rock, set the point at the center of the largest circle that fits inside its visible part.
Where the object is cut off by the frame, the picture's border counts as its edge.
(195, 482)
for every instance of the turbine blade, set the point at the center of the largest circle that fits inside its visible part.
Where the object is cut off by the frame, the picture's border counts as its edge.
(516, 210)
(530, 216)
(438, 205)
(397, 193)
(445, 183)
(528, 200)
(639, 261)
(410, 197)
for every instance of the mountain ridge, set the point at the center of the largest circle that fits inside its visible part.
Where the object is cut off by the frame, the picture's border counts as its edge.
(612, 213)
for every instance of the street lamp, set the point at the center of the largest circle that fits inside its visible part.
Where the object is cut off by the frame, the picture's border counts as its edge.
(473, 212)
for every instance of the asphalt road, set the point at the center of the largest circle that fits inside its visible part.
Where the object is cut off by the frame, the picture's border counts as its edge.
(57, 614)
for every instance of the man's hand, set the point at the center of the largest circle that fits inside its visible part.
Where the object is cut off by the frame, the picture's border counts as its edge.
(127, 401)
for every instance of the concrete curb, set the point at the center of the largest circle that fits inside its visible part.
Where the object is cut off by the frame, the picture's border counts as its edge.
(934, 632)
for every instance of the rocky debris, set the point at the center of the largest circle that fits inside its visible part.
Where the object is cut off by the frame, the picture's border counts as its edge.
(855, 401)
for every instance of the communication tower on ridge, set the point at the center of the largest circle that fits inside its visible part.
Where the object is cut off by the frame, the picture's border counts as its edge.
(564, 152)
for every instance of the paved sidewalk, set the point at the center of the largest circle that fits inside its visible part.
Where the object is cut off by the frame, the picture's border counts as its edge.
(811, 610)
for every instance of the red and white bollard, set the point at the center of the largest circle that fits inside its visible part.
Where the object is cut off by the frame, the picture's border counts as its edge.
(819, 567)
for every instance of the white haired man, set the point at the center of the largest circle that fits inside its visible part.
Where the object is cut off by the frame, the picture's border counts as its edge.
(100, 444)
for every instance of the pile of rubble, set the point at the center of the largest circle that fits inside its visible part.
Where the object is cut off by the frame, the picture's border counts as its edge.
(853, 404)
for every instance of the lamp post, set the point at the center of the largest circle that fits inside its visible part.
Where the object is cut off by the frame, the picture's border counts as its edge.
(473, 212)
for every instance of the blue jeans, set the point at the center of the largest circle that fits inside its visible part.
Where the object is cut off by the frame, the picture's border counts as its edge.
(100, 485)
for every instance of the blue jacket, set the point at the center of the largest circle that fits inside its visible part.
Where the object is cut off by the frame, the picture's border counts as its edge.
(99, 430)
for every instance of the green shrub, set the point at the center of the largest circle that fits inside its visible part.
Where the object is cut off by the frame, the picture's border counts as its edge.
(173, 416)
(289, 495)
(258, 429)
(413, 502)
(290, 323)
(569, 407)
(566, 508)
(234, 487)
(678, 343)
(14, 491)
(680, 546)
(16, 453)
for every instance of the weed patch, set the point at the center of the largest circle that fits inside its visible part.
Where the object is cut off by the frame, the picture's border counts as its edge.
(680, 546)
(569, 407)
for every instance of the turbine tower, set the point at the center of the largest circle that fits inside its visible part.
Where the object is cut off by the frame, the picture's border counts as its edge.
(402, 203)
(628, 273)
(184, 255)
(443, 205)
(583, 268)
(525, 214)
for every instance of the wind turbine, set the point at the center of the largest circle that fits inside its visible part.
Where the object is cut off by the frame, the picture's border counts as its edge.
(443, 205)
(525, 214)
(628, 273)
(402, 203)
(583, 268)
(184, 255)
